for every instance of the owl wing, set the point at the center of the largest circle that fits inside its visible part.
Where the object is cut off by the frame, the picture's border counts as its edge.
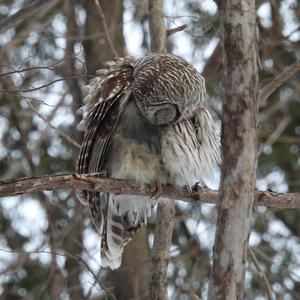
(104, 103)
(107, 96)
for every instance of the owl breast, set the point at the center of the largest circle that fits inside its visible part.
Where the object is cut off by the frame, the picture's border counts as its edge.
(135, 149)
(145, 153)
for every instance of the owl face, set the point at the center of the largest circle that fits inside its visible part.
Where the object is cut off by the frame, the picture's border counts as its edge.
(161, 114)
(167, 89)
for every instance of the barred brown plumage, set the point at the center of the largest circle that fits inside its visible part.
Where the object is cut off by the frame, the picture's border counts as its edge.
(145, 121)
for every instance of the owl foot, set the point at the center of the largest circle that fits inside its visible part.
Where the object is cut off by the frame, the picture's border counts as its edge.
(196, 186)
(156, 190)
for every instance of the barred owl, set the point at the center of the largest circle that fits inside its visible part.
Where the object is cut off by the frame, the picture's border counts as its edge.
(144, 121)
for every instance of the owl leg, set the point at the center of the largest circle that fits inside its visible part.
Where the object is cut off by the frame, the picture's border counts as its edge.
(156, 189)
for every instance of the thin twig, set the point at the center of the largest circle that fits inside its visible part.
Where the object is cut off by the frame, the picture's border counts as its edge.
(261, 274)
(96, 279)
(59, 131)
(278, 131)
(25, 13)
(16, 91)
(108, 37)
(176, 29)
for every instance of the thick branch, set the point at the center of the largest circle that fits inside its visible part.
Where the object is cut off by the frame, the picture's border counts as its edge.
(120, 186)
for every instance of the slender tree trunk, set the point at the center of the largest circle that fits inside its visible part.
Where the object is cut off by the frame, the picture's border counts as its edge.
(73, 244)
(157, 28)
(161, 249)
(130, 281)
(166, 207)
(239, 149)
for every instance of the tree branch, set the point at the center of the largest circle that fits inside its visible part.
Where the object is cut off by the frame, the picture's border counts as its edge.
(59, 131)
(261, 274)
(25, 13)
(279, 80)
(176, 29)
(13, 187)
(16, 91)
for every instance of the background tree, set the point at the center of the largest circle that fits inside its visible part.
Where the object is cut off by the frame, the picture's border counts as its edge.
(48, 244)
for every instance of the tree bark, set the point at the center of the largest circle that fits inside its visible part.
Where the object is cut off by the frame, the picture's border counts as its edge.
(131, 279)
(95, 45)
(239, 149)
(166, 207)
(161, 249)
(157, 28)
(13, 187)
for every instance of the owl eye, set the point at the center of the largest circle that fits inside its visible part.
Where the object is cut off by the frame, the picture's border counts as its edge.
(162, 114)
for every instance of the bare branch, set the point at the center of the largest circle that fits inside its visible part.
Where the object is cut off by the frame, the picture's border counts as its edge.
(59, 131)
(16, 91)
(278, 131)
(279, 80)
(90, 182)
(176, 29)
(261, 274)
(96, 278)
(108, 37)
(25, 13)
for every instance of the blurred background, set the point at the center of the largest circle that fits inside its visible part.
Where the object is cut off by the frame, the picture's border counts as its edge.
(48, 52)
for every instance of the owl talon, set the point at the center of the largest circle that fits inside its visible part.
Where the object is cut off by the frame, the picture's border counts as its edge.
(194, 188)
(156, 190)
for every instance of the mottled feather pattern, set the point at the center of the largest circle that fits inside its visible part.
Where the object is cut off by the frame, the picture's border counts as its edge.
(173, 81)
(103, 91)
(147, 122)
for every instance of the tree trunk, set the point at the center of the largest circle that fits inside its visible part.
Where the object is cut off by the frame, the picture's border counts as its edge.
(130, 281)
(96, 47)
(166, 207)
(239, 149)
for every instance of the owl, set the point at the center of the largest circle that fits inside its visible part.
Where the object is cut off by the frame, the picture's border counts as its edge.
(144, 121)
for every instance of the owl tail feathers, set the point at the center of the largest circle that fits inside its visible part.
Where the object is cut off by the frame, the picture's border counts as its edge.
(111, 253)
(113, 242)
(124, 217)
(111, 258)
